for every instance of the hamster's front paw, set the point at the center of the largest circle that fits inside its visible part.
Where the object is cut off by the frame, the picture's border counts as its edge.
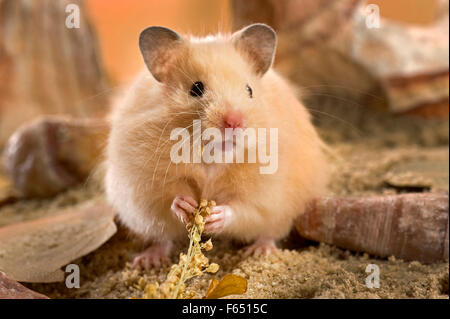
(183, 207)
(219, 218)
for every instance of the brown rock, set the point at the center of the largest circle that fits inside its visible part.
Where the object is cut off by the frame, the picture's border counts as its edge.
(7, 192)
(410, 61)
(51, 154)
(11, 289)
(409, 226)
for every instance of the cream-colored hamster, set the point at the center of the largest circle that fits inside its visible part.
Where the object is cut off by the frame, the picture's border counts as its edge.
(226, 81)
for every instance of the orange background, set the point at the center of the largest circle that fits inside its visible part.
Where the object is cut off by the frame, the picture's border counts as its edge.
(119, 22)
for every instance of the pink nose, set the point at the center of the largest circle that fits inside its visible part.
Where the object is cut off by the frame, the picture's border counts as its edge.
(233, 119)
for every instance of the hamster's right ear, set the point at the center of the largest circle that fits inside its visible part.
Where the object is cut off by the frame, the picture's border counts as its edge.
(258, 41)
(160, 47)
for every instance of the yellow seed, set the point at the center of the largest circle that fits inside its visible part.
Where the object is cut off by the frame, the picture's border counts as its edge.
(142, 282)
(189, 294)
(183, 258)
(201, 259)
(213, 268)
(212, 203)
(198, 272)
(172, 279)
(208, 245)
(203, 203)
(151, 289)
(198, 219)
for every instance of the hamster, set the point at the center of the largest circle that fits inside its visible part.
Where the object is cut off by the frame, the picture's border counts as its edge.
(226, 82)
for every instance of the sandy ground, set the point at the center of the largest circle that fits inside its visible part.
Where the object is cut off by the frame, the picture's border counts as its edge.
(364, 153)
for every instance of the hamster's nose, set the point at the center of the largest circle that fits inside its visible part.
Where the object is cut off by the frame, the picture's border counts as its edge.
(233, 119)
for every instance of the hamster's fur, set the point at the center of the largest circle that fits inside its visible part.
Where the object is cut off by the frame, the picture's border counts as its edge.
(142, 181)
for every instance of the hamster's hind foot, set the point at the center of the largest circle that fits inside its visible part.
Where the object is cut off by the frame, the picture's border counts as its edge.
(263, 246)
(155, 255)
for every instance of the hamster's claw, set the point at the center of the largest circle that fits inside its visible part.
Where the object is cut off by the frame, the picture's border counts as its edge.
(182, 207)
(261, 247)
(154, 256)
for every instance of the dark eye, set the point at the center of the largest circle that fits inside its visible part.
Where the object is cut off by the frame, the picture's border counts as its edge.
(249, 91)
(197, 89)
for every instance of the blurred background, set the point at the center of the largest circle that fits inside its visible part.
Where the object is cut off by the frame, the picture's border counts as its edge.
(117, 23)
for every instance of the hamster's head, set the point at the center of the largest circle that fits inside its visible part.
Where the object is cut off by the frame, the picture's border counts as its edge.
(216, 79)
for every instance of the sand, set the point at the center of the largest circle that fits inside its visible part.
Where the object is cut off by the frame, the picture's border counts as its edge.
(366, 148)
(308, 271)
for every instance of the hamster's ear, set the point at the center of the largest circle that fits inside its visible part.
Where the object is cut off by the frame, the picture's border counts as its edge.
(258, 41)
(160, 47)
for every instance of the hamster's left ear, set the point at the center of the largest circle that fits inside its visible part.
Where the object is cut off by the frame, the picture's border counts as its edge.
(258, 42)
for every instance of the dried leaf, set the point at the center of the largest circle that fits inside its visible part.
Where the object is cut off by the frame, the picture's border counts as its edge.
(34, 251)
(212, 285)
(229, 285)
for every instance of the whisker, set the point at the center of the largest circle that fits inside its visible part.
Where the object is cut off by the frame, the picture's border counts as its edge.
(339, 119)
(341, 87)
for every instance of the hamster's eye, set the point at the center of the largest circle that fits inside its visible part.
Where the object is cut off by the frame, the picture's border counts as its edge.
(197, 89)
(249, 91)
